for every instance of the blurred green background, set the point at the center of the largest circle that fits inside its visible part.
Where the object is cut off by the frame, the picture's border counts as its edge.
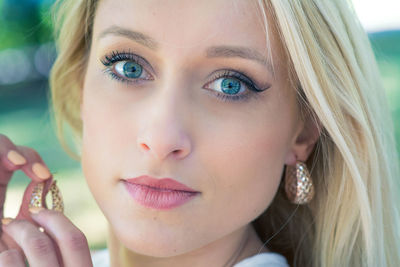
(26, 55)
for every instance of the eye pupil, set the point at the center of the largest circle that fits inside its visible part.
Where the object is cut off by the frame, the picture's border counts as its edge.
(230, 86)
(132, 70)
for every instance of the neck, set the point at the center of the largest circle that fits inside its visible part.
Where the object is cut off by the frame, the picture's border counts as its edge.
(225, 252)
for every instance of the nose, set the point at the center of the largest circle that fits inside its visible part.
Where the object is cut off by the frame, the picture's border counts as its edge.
(163, 134)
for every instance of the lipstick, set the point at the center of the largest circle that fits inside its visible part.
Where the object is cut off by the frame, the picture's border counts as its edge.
(160, 194)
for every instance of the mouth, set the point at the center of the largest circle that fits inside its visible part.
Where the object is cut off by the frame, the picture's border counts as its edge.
(161, 184)
(160, 194)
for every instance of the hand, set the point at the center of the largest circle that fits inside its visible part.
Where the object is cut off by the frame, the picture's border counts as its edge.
(60, 244)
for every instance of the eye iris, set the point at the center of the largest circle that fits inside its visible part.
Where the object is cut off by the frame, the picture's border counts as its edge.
(230, 86)
(132, 70)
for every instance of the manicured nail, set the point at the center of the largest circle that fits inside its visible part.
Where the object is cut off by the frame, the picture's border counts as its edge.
(6, 221)
(35, 210)
(15, 157)
(41, 171)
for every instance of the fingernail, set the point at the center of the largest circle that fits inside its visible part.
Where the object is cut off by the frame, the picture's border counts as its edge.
(6, 221)
(41, 171)
(15, 157)
(35, 210)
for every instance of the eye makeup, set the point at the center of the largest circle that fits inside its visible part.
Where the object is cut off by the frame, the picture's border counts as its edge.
(130, 68)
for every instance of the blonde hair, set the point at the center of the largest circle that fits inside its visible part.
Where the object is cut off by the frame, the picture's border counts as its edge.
(353, 219)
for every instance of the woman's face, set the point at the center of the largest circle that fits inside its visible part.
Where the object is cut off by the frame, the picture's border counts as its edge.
(169, 92)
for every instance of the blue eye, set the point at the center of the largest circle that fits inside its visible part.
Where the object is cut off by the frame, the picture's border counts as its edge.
(233, 86)
(129, 69)
(230, 86)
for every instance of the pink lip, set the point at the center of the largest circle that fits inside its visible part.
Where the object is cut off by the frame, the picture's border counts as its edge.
(160, 194)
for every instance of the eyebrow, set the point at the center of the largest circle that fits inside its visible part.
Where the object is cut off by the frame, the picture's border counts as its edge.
(238, 51)
(224, 51)
(138, 37)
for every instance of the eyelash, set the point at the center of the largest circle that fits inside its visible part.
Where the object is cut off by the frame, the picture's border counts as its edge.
(115, 56)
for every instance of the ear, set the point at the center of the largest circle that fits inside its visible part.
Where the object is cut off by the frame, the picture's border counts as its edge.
(307, 135)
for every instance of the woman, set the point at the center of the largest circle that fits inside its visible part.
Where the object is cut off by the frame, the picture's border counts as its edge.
(217, 133)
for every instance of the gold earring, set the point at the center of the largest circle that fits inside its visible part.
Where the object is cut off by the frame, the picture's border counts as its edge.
(298, 184)
(56, 197)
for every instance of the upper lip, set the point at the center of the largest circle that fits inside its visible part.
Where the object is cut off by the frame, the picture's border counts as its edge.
(163, 183)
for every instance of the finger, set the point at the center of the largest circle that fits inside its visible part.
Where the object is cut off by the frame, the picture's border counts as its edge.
(35, 168)
(38, 248)
(24, 158)
(10, 159)
(7, 241)
(11, 258)
(3, 246)
(70, 240)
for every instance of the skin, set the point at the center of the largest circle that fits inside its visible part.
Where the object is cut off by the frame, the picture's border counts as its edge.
(172, 124)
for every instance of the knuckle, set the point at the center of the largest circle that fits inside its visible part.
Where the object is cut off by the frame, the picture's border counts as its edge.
(39, 244)
(75, 240)
(9, 257)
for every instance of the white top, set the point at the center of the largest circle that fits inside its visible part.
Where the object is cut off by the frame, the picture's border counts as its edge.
(101, 258)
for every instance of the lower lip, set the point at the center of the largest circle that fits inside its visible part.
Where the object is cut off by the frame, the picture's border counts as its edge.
(159, 199)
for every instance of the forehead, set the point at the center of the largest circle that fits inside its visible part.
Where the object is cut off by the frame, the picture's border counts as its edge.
(187, 23)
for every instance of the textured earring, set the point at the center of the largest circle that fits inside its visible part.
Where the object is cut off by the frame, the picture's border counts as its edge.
(56, 198)
(37, 197)
(298, 184)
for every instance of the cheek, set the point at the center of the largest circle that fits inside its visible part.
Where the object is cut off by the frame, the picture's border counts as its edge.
(102, 139)
(103, 126)
(248, 164)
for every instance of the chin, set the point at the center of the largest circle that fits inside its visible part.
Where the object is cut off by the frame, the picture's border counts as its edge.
(150, 238)
(155, 244)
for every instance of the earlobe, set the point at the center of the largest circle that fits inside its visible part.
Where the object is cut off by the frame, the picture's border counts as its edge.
(291, 158)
